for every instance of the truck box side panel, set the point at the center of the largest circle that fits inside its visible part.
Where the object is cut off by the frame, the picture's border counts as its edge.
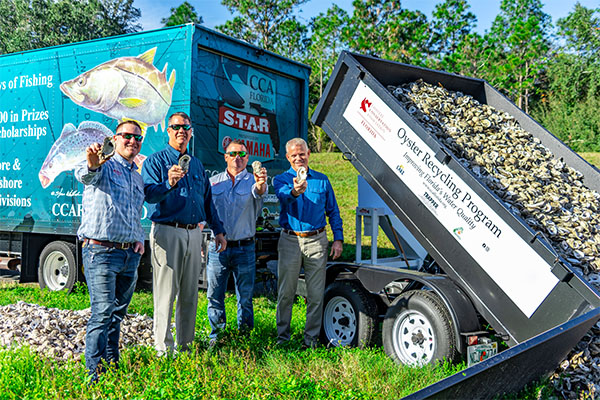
(42, 123)
(520, 298)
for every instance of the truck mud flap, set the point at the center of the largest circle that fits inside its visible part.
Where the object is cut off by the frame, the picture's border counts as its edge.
(509, 371)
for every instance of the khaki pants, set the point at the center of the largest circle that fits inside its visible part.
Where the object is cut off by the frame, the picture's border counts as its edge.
(295, 252)
(176, 262)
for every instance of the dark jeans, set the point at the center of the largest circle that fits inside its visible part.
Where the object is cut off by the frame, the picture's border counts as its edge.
(240, 262)
(111, 275)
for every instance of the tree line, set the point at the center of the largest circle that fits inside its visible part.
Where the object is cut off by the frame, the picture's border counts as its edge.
(549, 70)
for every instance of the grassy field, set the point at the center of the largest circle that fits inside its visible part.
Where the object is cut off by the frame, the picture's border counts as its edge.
(242, 367)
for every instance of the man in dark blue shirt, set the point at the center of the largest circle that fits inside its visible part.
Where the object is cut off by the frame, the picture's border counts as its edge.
(182, 199)
(303, 240)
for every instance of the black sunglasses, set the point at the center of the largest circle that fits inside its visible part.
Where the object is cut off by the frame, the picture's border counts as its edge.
(128, 136)
(177, 127)
(237, 153)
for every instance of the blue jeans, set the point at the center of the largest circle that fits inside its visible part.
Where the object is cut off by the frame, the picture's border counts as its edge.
(240, 262)
(111, 275)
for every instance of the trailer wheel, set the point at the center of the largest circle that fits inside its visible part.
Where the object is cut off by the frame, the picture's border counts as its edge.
(58, 268)
(349, 315)
(417, 330)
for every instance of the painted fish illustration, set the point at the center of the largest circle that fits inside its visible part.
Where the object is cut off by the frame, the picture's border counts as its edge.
(69, 149)
(125, 88)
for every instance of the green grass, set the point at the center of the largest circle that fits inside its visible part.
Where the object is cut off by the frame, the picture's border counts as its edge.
(343, 179)
(242, 367)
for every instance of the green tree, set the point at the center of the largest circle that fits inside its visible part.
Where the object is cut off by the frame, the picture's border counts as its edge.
(569, 109)
(323, 51)
(269, 24)
(31, 24)
(183, 14)
(520, 37)
(383, 28)
(451, 25)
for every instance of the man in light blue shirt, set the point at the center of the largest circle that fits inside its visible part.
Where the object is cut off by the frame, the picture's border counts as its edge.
(113, 241)
(303, 241)
(238, 197)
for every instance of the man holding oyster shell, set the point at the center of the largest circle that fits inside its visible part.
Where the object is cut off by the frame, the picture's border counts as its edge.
(306, 198)
(113, 239)
(238, 197)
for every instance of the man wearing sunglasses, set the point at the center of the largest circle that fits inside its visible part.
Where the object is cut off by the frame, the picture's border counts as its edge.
(238, 196)
(180, 199)
(113, 241)
(303, 241)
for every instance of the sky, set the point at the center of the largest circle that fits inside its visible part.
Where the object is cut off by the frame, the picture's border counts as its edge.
(215, 14)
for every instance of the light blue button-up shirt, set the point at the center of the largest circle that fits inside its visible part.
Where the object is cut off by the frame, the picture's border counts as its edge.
(237, 203)
(113, 201)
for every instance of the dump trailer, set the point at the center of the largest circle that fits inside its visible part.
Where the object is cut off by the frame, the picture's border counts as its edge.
(56, 101)
(461, 282)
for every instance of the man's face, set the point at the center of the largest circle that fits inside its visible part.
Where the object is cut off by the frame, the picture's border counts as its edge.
(298, 157)
(236, 163)
(128, 148)
(179, 138)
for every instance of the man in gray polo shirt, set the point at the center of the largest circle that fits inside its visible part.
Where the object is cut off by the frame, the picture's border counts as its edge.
(237, 196)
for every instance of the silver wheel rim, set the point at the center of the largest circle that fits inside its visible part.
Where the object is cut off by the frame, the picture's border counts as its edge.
(339, 321)
(56, 270)
(413, 338)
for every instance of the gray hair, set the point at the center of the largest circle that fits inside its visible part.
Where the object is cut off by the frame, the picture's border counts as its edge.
(295, 142)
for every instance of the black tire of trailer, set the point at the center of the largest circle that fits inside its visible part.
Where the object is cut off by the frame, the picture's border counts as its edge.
(417, 330)
(349, 316)
(58, 268)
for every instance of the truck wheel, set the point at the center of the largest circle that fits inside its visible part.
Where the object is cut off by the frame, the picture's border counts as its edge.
(58, 269)
(349, 315)
(417, 330)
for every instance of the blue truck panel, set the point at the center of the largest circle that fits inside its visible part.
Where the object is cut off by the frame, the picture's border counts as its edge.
(54, 102)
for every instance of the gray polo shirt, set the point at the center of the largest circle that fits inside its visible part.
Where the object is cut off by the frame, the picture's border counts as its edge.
(238, 204)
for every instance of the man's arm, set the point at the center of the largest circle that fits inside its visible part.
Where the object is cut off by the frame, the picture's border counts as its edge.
(288, 193)
(333, 213)
(155, 187)
(90, 172)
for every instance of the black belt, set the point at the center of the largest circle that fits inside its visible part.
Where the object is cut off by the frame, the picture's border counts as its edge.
(179, 225)
(240, 243)
(304, 234)
(116, 245)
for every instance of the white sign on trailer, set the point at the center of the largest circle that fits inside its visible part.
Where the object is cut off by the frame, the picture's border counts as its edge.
(509, 261)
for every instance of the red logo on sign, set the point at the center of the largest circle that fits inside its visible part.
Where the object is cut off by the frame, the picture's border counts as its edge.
(365, 104)
(244, 121)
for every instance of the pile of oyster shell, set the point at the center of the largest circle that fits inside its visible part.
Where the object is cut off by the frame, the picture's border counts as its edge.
(547, 194)
(60, 334)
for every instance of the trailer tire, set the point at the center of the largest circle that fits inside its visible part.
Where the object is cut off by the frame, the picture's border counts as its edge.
(417, 330)
(349, 316)
(58, 267)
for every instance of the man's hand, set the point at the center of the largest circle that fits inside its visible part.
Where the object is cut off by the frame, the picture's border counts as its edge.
(175, 175)
(220, 243)
(261, 181)
(92, 154)
(299, 188)
(138, 247)
(336, 249)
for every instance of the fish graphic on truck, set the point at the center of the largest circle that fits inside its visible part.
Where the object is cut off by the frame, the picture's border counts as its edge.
(69, 149)
(125, 88)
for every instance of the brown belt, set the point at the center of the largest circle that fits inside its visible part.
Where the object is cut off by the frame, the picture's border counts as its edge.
(304, 234)
(178, 225)
(116, 245)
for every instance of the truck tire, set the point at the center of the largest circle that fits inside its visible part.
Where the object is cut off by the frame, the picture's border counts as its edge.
(417, 330)
(58, 269)
(349, 315)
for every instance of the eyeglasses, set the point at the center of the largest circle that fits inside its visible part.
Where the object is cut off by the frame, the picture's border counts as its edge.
(128, 136)
(237, 153)
(177, 127)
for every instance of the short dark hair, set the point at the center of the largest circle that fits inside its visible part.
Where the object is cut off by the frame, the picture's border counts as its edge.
(180, 114)
(237, 141)
(129, 121)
